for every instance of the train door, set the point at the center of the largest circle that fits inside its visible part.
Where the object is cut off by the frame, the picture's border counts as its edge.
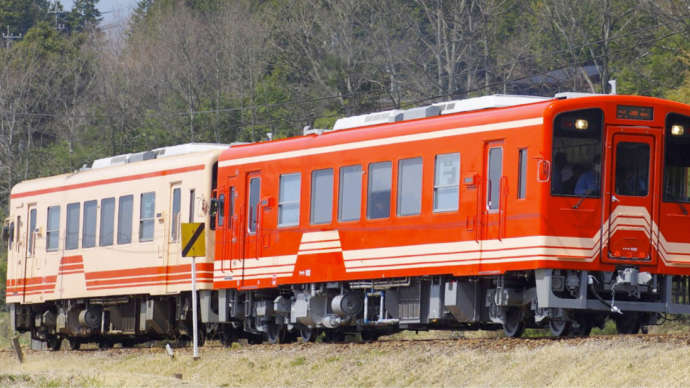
(631, 196)
(252, 225)
(30, 251)
(174, 228)
(231, 238)
(493, 214)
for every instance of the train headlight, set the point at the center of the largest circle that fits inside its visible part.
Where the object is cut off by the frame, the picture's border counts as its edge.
(581, 124)
(677, 130)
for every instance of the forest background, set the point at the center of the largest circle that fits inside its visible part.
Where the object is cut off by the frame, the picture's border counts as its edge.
(234, 71)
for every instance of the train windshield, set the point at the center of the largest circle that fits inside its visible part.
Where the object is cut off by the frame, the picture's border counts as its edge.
(577, 155)
(677, 159)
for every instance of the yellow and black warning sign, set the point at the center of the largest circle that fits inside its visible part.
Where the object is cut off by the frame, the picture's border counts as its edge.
(193, 239)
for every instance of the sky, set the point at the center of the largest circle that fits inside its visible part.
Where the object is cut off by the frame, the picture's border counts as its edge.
(113, 11)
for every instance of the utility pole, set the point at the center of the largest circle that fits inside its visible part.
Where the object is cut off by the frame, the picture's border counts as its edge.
(9, 37)
(54, 9)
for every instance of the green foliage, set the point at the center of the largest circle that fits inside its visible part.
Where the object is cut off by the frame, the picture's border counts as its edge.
(18, 16)
(83, 16)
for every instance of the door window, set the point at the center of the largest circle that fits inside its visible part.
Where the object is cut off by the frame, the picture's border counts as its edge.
(254, 194)
(493, 193)
(632, 169)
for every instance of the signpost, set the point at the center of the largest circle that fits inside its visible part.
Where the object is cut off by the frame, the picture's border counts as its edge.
(193, 245)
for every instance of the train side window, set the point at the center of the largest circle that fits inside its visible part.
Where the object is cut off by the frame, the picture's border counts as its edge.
(522, 173)
(493, 192)
(32, 232)
(107, 222)
(288, 199)
(231, 205)
(254, 194)
(447, 182)
(53, 228)
(379, 190)
(350, 193)
(147, 211)
(88, 232)
(192, 197)
(322, 196)
(409, 187)
(175, 221)
(72, 233)
(124, 219)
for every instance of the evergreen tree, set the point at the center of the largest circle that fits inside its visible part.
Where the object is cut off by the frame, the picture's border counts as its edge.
(18, 16)
(84, 16)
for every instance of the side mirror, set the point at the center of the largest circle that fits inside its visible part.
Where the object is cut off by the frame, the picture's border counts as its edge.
(543, 170)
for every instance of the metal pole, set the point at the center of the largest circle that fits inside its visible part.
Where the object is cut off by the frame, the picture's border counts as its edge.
(194, 320)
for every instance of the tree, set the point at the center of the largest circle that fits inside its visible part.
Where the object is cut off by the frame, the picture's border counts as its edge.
(84, 16)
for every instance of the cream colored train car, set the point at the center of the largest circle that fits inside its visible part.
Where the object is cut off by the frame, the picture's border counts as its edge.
(94, 253)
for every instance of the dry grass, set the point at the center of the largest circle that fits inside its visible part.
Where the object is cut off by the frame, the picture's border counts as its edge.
(612, 361)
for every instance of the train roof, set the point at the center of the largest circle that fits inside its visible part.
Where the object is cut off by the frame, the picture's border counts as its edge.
(439, 116)
(181, 156)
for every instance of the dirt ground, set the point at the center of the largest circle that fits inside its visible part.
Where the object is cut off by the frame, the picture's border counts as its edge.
(427, 360)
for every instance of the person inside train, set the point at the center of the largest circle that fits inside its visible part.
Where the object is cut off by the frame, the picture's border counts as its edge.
(589, 181)
(563, 177)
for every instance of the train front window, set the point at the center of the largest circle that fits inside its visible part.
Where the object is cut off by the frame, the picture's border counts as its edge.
(677, 159)
(577, 154)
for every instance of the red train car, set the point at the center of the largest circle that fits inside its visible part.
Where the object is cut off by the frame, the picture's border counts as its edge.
(495, 210)
(490, 212)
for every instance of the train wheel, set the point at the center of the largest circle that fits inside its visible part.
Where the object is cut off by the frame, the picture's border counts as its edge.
(368, 335)
(513, 325)
(275, 334)
(628, 323)
(105, 344)
(54, 343)
(228, 336)
(333, 336)
(74, 344)
(581, 328)
(308, 334)
(559, 327)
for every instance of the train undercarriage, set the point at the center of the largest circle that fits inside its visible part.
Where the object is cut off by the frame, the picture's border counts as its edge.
(566, 302)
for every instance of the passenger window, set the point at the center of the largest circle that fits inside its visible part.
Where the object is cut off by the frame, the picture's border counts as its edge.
(409, 186)
(88, 232)
(147, 210)
(522, 173)
(175, 221)
(379, 190)
(322, 196)
(288, 199)
(124, 219)
(447, 182)
(493, 192)
(350, 193)
(72, 234)
(254, 194)
(107, 222)
(32, 232)
(53, 228)
(231, 207)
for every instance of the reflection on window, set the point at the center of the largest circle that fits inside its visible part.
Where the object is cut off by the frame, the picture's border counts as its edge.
(577, 152)
(124, 219)
(522, 173)
(175, 221)
(288, 203)
(321, 196)
(379, 190)
(447, 182)
(72, 234)
(350, 193)
(88, 233)
(254, 196)
(493, 193)
(32, 231)
(409, 187)
(147, 211)
(107, 222)
(632, 169)
(221, 210)
(677, 160)
(53, 228)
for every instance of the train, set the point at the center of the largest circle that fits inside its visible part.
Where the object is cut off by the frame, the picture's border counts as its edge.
(494, 212)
